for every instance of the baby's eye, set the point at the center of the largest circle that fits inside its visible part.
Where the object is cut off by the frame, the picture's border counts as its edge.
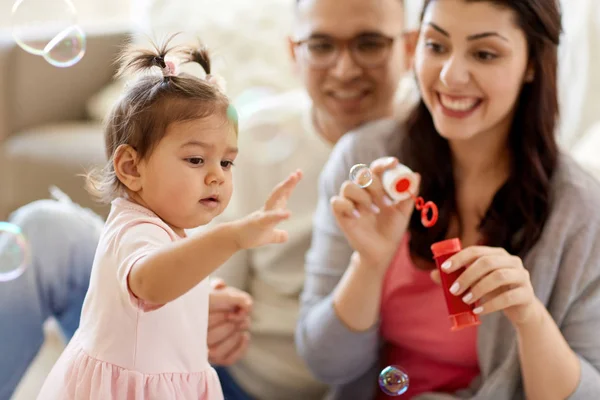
(226, 164)
(195, 160)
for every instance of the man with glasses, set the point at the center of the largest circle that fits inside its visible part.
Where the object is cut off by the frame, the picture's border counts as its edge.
(350, 56)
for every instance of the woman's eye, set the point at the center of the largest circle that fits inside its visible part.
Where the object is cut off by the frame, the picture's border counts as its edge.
(485, 55)
(434, 47)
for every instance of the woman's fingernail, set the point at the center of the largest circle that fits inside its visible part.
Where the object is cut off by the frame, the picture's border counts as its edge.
(467, 297)
(454, 288)
(375, 209)
(478, 310)
(387, 201)
(447, 265)
(356, 214)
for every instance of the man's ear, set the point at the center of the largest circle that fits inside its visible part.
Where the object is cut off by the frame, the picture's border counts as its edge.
(293, 52)
(411, 39)
(291, 48)
(126, 166)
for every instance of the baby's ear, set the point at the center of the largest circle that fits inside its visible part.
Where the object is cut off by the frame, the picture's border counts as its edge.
(126, 166)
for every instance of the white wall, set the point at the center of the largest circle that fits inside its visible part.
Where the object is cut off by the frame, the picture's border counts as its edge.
(90, 12)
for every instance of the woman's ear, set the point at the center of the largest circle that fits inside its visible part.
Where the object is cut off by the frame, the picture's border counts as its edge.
(411, 39)
(529, 74)
(126, 165)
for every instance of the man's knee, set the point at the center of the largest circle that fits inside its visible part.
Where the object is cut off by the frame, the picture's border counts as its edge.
(55, 217)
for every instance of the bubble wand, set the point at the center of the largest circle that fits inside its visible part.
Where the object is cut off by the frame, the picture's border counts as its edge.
(400, 184)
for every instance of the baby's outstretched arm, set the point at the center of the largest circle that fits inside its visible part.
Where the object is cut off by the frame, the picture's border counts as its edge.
(172, 271)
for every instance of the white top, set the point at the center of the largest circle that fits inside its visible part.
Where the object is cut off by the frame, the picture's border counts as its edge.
(276, 137)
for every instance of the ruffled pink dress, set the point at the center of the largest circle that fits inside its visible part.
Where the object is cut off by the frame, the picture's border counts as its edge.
(126, 349)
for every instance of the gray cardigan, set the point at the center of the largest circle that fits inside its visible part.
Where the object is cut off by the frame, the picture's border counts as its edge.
(565, 274)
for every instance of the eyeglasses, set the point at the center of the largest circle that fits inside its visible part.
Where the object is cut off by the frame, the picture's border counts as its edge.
(367, 50)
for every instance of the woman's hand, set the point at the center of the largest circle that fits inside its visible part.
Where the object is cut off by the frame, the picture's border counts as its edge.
(495, 279)
(373, 225)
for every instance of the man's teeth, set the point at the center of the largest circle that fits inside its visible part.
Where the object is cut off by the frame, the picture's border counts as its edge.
(348, 94)
(458, 105)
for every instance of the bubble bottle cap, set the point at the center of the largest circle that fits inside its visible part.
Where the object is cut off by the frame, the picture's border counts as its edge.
(444, 247)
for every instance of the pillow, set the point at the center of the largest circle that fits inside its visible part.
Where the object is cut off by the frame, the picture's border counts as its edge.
(99, 105)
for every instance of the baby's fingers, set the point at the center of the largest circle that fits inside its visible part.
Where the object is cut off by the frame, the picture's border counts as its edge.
(278, 236)
(282, 192)
(273, 217)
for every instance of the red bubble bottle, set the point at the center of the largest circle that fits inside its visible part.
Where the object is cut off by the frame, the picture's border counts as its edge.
(460, 313)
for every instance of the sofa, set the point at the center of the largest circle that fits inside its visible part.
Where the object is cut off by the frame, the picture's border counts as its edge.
(47, 135)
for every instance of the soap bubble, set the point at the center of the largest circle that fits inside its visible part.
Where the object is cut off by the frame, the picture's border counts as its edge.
(250, 97)
(393, 381)
(67, 48)
(361, 175)
(272, 142)
(14, 252)
(30, 23)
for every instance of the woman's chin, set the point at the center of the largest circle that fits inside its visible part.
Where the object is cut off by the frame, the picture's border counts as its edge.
(454, 133)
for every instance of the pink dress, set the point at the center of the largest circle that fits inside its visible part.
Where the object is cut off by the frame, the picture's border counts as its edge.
(416, 329)
(126, 349)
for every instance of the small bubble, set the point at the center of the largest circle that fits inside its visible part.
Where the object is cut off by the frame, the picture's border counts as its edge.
(361, 175)
(393, 381)
(28, 21)
(14, 252)
(67, 48)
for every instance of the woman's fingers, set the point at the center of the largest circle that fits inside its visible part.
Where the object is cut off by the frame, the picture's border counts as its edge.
(361, 198)
(495, 280)
(341, 206)
(508, 298)
(376, 189)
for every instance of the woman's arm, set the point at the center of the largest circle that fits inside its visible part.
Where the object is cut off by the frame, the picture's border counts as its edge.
(337, 331)
(334, 353)
(357, 298)
(550, 368)
(565, 363)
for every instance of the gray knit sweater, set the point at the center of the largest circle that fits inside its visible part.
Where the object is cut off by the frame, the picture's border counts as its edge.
(565, 274)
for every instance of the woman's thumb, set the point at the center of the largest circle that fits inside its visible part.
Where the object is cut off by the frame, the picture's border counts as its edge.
(435, 276)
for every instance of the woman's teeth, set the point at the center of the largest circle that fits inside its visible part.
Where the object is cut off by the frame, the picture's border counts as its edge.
(464, 104)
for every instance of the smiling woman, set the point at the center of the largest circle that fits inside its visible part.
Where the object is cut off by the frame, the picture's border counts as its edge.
(489, 83)
(482, 140)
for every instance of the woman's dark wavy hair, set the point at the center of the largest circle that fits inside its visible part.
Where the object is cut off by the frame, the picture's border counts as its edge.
(520, 208)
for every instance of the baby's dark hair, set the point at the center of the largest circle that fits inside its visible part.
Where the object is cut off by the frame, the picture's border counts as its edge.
(152, 102)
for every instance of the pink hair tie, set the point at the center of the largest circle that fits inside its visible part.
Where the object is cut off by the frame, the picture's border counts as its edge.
(169, 69)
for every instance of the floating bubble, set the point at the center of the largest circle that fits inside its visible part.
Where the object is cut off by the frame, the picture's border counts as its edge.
(33, 28)
(393, 381)
(271, 142)
(14, 252)
(67, 48)
(252, 96)
(361, 175)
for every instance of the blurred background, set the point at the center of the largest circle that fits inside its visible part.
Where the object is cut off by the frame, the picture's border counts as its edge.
(51, 118)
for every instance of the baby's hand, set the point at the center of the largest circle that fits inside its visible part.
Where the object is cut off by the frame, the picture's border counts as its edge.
(258, 229)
